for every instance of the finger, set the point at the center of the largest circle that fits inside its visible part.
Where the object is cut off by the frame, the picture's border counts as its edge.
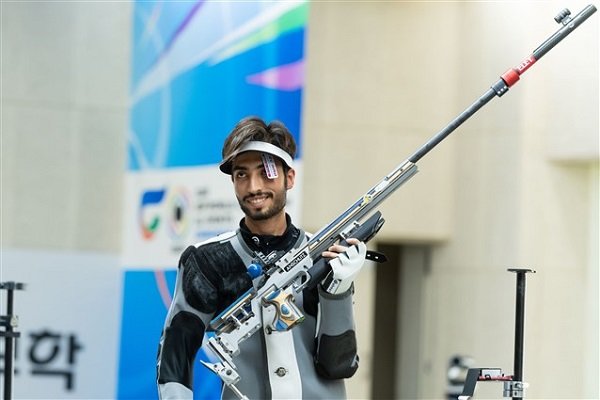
(352, 241)
(332, 254)
(338, 248)
(329, 254)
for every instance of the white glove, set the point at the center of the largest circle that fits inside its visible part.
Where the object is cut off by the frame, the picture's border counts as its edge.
(345, 267)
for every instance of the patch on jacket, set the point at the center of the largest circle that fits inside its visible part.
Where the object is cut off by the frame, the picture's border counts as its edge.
(336, 356)
(214, 276)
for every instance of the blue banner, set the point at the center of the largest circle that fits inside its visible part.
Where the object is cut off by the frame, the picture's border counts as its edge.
(197, 69)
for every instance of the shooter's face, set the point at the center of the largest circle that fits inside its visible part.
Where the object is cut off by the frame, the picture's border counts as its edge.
(259, 196)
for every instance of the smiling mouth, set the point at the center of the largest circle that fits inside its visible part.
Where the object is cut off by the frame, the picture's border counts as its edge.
(257, 200)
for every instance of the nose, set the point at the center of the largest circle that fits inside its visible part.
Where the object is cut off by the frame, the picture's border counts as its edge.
(255, 183)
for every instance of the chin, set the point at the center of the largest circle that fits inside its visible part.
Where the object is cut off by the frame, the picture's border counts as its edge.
(255, 215)
(260, 216)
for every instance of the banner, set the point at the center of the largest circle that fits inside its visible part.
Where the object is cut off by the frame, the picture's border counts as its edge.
(68, 320)
(198, 68)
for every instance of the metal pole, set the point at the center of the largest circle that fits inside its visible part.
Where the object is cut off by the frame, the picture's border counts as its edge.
(8, 346)
(9, 322)
(519, 324)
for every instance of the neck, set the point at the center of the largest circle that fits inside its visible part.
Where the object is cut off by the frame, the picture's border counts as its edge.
(274, 226)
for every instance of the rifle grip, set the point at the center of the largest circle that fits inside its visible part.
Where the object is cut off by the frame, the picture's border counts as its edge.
(287, 314)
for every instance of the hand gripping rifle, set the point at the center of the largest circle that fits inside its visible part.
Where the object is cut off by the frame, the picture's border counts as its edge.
(271, 297)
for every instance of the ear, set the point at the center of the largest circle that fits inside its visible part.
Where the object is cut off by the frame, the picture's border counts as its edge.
(291, 176)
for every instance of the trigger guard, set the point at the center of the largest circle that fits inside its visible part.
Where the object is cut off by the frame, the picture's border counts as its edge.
(269, 317)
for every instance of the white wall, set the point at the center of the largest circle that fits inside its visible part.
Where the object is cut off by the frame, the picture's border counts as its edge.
(65, 74)
(374, 93)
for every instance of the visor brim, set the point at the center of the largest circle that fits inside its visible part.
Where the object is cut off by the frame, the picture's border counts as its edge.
(263, 147)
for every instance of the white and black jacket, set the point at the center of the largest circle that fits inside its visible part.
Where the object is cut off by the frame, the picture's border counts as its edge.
(308, 362)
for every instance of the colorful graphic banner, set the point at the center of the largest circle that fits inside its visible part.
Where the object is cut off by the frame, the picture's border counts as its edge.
(198, 68)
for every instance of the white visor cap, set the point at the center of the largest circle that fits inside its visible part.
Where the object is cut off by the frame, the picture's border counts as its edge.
(262, 147)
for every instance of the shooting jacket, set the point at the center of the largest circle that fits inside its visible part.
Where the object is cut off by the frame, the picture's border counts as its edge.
(309, 361)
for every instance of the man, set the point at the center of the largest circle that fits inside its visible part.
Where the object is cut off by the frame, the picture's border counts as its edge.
(306, 362)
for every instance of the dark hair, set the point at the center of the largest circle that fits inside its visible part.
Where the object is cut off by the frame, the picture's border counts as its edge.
(255, 129)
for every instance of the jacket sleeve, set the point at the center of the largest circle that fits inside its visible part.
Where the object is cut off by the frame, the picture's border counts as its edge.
(336, 352)
(193, 305)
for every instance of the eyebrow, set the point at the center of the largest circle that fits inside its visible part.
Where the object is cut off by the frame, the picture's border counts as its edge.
(259, 165)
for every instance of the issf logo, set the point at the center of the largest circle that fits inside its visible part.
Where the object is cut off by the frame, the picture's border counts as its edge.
(157, 208)
(178, 206)
(149, 213)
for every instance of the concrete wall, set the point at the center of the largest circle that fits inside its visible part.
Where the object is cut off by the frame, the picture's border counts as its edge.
(375, 92)
(65, 74)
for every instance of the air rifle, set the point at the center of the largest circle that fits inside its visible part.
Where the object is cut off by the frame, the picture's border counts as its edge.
(271, 298)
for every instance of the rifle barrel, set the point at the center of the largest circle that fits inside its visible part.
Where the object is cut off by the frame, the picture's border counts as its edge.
(508, 79)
